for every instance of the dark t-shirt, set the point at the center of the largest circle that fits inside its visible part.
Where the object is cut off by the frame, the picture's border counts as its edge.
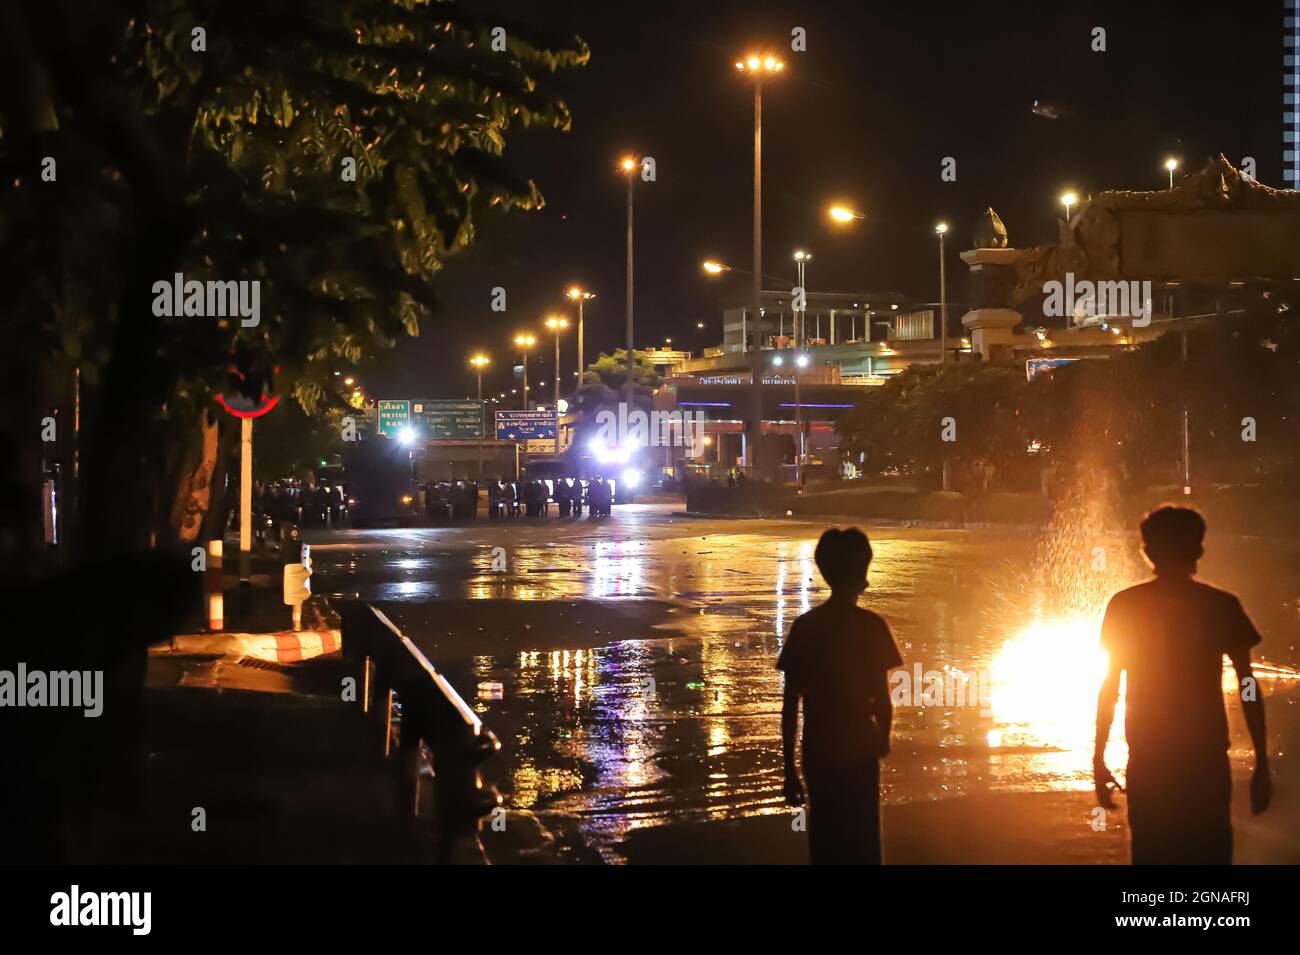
(1169, 635)
(834, 657)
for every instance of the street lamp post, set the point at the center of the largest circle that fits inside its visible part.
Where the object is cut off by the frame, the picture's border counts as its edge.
(479, 362)
(580, 295)
(629, 169)
(757, 67)
(800, 363)
(1068, 199)
(1171, 164)
(941, 230)
(525, 342)
(557, 323)
(801, 259)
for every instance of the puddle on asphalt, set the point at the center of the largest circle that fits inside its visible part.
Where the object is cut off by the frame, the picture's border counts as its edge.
(637, 683)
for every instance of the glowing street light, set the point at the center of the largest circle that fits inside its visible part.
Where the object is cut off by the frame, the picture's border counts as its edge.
(1069, 199)
(478, 363)
(714, 268)
(941, 230)
(844, 214)
(1171, 164)
(628, 165)
(759, 65)
(801, 258)
(580, 295)
(756, 66)
(557, 323)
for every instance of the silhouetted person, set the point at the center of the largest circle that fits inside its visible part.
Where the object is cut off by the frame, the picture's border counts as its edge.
(836, 660)
(1169, 635)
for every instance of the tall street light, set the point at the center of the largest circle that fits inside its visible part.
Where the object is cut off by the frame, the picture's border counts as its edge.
(756, 66)
(1171, 164)
(1068, 199)
(478, 363)
(801, 258)
(525, 341)
(557, 323)
(629, 166)
(941, 229)
(580, 295)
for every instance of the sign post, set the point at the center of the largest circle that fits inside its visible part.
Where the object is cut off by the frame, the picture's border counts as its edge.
(245, 502)
(533, 428)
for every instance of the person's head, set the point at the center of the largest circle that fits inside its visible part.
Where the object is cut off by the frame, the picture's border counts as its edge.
(1172, 539)
(843, 557)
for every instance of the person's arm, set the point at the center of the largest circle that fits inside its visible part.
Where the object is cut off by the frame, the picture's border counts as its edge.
(1107, 697)
(1252, 708)
(882, 711)
(794, 794)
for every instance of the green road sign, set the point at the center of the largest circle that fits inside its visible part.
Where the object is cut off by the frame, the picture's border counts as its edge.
(393, 416)
(438, 418)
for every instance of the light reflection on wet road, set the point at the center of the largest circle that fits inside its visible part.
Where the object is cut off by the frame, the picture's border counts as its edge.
(635, 655)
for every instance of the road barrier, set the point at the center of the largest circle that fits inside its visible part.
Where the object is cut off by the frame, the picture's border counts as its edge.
(426, 725)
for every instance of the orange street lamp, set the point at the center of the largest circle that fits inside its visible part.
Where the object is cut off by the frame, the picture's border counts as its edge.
(941, 230)
(1069, 199)
(557, 323)
(478, 363)
(628, 165)
(580, 295)
(756, 66)
(1171, 164)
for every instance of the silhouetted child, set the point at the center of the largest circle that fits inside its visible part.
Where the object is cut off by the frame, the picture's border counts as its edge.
(1170, 635)
(836, 660)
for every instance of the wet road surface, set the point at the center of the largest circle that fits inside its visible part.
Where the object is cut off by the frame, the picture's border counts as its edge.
(627, 664)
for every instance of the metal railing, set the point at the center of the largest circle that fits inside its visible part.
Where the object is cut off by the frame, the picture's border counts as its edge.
(429, 731)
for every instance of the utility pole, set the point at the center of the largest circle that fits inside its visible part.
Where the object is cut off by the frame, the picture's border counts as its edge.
(752, 451)
(627, 385)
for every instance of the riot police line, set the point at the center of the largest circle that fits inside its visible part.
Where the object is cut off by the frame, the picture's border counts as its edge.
(447, 500)
(281, 505)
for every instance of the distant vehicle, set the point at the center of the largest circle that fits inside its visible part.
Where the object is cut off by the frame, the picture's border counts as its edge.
(379, 477)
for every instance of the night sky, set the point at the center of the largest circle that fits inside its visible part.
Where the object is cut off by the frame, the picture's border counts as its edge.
(884, 92)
